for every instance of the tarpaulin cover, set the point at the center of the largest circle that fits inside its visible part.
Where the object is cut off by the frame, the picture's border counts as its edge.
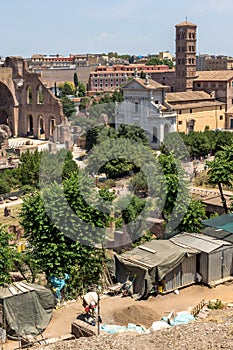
(224, 222)
(181, 318)
(149, 263)
(58, 284)
(27, 313)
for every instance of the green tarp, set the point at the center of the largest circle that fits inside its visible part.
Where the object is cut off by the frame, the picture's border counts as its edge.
(28, 312)
(149, 263)
(224, 222)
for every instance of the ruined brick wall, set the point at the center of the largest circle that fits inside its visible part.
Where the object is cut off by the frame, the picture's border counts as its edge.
(37, 110)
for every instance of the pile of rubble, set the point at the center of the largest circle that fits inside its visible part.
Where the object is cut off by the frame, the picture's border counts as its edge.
(201, 336)
(214, 332)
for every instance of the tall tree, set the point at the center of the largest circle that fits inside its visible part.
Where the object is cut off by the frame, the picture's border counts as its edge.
(68, 107)
(81, 89)
(76, 82)
(59, 238)
(220, 171)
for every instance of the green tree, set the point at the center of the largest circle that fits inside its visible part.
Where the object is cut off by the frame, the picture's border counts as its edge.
(8, 181)
(111, 149)
(81, 89)
(68, 107)
(192, 221)
(200, 144)
(220, 171)
(139, 183)
(154, 61)
(133, 132)
(53, 167)
(28, 170)
(117, 96)
(53, 248)
(8, 256)
(67, 88)
(76, 82)
(84, 103)
(134, 217)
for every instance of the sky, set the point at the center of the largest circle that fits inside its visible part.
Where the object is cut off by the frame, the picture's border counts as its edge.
(137, 27)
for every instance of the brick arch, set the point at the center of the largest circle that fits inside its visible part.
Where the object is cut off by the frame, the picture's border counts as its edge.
(30, 125)
(7, 105)
(41, 126)
(51, 124)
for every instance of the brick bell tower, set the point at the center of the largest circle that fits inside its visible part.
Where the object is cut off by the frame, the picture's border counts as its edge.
(185, 55)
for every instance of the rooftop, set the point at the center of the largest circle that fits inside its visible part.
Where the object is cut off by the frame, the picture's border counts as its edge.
(214, 75)
(188, 96)
(198, 241)
(186, 23)
(150, 85)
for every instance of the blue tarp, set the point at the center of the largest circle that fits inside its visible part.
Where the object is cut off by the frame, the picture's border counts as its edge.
(58, 284)
(182, 318)
(112, 329)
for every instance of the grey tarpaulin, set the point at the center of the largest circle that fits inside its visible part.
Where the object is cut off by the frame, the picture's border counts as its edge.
(27, 308)
(149, 263)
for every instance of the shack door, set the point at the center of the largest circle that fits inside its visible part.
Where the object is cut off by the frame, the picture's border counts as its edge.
(188, 270)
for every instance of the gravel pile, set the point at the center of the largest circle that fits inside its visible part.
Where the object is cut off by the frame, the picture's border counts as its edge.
(196, 335)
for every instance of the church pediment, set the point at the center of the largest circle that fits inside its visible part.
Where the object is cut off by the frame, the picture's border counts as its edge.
(133, 85)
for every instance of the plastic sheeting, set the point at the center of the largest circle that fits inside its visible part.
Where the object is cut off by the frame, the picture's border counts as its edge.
(58, 284)
(181, 318)
(29, 313)
(113, 329)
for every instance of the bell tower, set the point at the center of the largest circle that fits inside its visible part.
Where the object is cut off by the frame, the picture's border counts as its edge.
(185, 55)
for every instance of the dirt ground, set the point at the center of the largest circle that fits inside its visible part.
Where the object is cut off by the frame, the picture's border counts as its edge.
(121, 311)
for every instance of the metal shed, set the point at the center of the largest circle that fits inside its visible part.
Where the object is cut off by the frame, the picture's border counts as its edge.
(215, 259)
(158, 262)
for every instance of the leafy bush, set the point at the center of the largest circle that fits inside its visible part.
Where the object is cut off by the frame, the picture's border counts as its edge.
(216, 305)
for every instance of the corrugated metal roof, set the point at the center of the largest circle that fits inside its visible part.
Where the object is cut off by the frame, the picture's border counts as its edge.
(198, 241)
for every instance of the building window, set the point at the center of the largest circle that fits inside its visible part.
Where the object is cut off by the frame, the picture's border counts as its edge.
(191, 111)
(220, 108)
(136, 107)
(221, 117)
(180, 122)
(180, 111)
(231, 123)
(155, 135)
(29, 95)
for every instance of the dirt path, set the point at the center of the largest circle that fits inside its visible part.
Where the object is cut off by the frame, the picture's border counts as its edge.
(118, 310)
